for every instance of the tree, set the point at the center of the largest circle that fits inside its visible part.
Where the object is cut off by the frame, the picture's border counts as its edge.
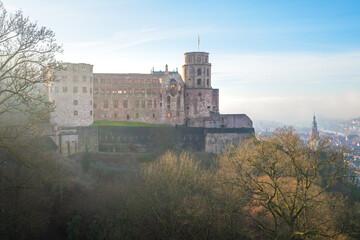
(285, 185)
(27, 53)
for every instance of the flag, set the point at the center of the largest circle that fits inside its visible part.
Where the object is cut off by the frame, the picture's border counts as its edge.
(198, 42)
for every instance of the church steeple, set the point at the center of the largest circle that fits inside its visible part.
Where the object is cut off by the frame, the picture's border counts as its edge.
(314, 129)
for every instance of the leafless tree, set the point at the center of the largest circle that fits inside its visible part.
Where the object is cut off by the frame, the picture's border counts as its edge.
(27, 53)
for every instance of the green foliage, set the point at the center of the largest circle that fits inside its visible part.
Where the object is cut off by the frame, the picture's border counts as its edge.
(73, 228)
(146, 158)
(86, 160)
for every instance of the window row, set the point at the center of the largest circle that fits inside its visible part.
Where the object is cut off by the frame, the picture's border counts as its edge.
(128, 81)
(64, 78)
(135, 115)
(199, 59)
(128, 91)
(200, 72)
(76, 113)
(76, 102)
(75, 89)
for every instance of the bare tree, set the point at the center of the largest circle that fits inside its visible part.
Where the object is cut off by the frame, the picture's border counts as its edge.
(27, 53)
(27, 56)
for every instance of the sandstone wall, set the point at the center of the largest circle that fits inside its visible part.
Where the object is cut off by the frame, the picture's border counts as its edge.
(149, 98)
(72, 94)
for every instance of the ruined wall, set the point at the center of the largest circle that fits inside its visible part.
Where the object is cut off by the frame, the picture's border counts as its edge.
(72, 94)
(88, 138)
(217, 140)
(156, 98)
(200, 103)
(150, 139)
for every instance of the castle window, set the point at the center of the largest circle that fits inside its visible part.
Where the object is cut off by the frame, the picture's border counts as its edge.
(106, 104)
(142, 103)
(115, 115)
(199, 94)
(153, 115)
(207, 82)
(75, 89)
(199, 82)
(208, 72)
(90, 91)
(137, 103)
(137, 115)
(149, 104)
(198, 59)
(84, 90)
(190, 58)
(125, 103)
(75, 113)
(199, 72)
(90, 79)
(90, 102)
(178, 102)
(161, 104)
(84, 79)
(94, 105)
(127, 117)
(115, 103)
(206, 59)
(75, 102)
(90, 113)
(64, 89)
(192, 70)
(155, 104)
(75, 78)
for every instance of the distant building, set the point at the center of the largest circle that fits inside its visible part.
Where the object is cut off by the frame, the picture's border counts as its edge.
(314, 130)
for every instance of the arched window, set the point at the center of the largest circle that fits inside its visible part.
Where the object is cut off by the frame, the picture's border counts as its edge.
(207, 82)
(178, 102)
(199, 82)
(199, 71)
(208, 72)
(168, 99)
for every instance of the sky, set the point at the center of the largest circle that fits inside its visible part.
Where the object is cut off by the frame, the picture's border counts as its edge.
(272, 60)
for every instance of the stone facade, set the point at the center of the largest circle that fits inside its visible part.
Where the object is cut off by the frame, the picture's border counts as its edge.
(160, 97)
(72, 94)
(156, 98)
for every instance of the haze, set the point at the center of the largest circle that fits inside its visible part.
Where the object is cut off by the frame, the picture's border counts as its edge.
(281, 61)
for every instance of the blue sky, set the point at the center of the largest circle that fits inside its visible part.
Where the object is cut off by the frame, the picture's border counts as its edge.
(273, 60)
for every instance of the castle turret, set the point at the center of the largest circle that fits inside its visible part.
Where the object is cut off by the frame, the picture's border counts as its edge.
(197, 70)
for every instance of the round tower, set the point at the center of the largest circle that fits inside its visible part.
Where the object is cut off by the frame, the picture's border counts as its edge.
(197, 70)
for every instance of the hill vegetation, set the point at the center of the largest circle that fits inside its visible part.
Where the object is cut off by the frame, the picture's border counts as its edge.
(275, 188)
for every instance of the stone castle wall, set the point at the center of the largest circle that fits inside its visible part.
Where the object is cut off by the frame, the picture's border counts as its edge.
(157, 139)
(149, 98)
(72, 94)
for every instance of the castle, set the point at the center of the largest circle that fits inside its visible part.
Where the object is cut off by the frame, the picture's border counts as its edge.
(160, 97)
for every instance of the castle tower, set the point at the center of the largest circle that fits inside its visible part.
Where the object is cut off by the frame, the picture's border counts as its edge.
(197, 70)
